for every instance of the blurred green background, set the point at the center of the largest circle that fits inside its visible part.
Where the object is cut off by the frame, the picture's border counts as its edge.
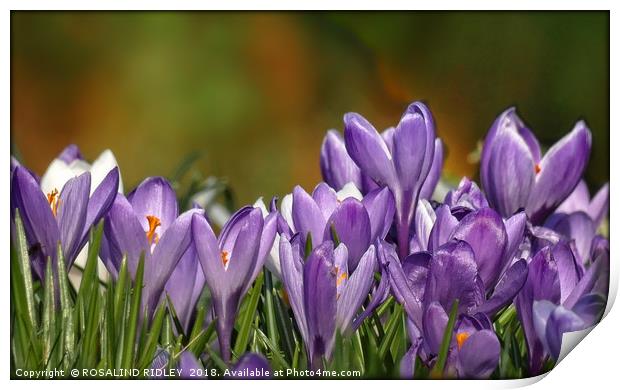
(256, 91)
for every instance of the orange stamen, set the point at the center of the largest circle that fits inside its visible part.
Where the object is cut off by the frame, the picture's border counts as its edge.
(225, 258)
(537, 168)
(461, 338)
(154, 223)
(53, 200)
(341, 278)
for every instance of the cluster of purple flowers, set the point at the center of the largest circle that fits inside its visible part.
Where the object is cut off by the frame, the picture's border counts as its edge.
(528, 239)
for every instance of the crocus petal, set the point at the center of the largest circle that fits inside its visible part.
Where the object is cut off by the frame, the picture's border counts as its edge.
(484, 231)
(154, 196)
(380, 207)
(414, 146)
(101, 199)
(180, 285)
(173, 244)
(367, 149)
(599, 206)
(590, 308)
(399, 283)
(230, 230)
(577, 226)
(408, 362)
(507, 166)
(267, 238)
(560, 171)
(515, 230)
(188, 364)
(356, 290)
(435, 172)
(569, 272)
(543, 283)
(100, 168)
(445, 223)
(60, 172)
(124, 235)
(341, 264)
(286, 211)
(435, 321)
(352, 225)
(424, 222)
(337, 167)
(70, 153)
(479, 355)
(252, 363)
(244, 255)
(39, 222)
(415, 268)
(320, 302)
(307, 216)
(578, 200)
(208, 252)
(453, 274)
(559, 321)
(325, 198)
(507, 288)
(292, 278)
(466, 196)
(73, 202)
(350, 190)
(599, 270)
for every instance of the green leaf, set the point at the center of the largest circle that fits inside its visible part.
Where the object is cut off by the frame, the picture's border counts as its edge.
(150, 346)
(68, 316)
(391, 331)
(26, 272)
(270, 315)
(335, 237)
(247, 317)
(49, 310)
(308, 248)
(134, 312)
(437, 371)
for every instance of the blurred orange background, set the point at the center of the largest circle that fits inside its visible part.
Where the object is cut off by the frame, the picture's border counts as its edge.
(254, 92)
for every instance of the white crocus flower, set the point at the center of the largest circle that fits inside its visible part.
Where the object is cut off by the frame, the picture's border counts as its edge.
(55, 177)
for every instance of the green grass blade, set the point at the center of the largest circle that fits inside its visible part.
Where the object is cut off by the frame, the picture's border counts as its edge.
(132, 325)
(390, 332)
(247, 317)
(49, 309)
(270, 314)
(150, 346)
(26, 272)
(66, 307)
(437, 371)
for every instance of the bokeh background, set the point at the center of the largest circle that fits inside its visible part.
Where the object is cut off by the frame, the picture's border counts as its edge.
(254, 92)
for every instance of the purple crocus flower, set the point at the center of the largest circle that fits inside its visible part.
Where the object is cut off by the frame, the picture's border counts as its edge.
(358, 223)
(64, 216)
(465, 198)
(579, 200)
(147, 222)
(402, 163)
(556, 276)
(493, 240)
(323, 294)
(427, 285)
(231, 262)
(515, 175)
(338, 169)
(583, 307)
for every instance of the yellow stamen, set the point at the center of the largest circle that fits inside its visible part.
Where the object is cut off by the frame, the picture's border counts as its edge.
(537, 168)
(225, 258)
(53, 200)
(154, 223)
(341, 278)
(461, 338)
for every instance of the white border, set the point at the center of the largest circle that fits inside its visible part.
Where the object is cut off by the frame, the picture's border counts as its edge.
(591, 365)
